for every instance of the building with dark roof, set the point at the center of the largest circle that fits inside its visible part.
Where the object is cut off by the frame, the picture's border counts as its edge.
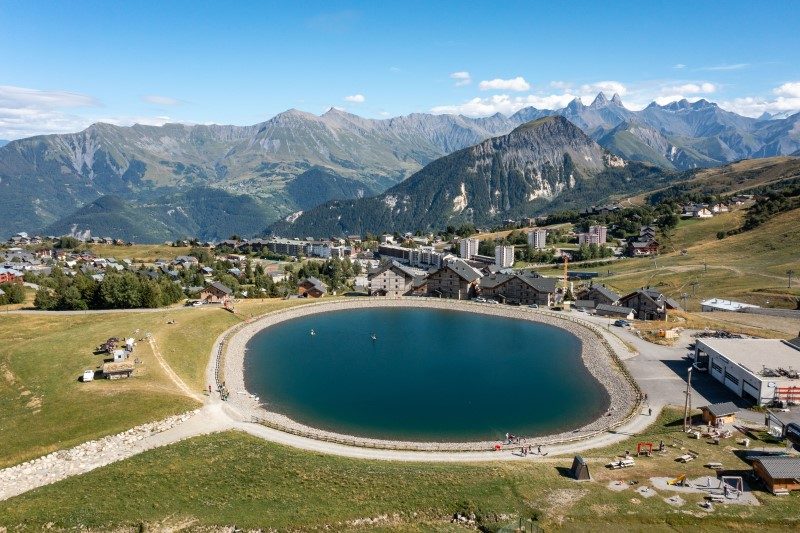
(718, 414)
(215, 293)
(455, 279)
(391, 279)
(311, 287)
(599, 294)
(520, 288)
(649, 304)
(614, 311)
(779, 474)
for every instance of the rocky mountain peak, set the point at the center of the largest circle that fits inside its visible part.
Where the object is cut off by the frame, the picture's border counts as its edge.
(599, 101)
(616, 100)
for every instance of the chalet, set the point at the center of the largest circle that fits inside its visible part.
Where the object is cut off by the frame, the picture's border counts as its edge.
(614, 311)
(719, 208)
(528, 288)
(639, 248)
(599, 294)
(311, 288)
(216, 293)
(419, 286)
(718, 414)
(649, 304)
(456, 279)
(780, 474)
(391, 279)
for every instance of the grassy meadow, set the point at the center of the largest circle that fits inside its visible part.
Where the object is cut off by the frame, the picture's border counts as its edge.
(232, 478)
(43, 406)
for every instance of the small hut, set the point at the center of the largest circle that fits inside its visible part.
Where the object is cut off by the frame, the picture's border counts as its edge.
(579, 470)
(718, 414)
(119, 370)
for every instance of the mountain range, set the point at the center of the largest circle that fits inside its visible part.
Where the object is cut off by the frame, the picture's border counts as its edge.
(298, 160)
(544, 164)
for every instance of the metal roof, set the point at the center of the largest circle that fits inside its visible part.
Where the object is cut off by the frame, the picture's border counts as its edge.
(781, 467)
(722, 409)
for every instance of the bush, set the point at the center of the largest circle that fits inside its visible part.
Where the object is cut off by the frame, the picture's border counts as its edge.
(14, 293)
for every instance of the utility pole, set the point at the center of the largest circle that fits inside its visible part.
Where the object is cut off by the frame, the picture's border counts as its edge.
(694, 285)
(688, 402)
(790, 273)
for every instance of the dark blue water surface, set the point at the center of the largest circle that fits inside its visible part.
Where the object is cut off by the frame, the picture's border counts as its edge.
(431, 375)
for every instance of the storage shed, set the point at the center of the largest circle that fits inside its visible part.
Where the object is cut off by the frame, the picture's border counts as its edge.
(579, 470)
(779, 474)
(119, 370)
(718, 414)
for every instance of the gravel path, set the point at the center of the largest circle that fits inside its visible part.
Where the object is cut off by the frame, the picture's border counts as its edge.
(597, 354)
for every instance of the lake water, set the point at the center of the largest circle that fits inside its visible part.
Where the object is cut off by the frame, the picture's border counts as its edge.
(430, 375)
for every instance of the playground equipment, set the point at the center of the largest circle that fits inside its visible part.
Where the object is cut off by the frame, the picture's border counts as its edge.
(621, 463)
(679, 481)
(644, 448)
(732, 485)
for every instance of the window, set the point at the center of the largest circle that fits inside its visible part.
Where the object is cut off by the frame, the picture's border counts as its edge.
(716, 367)
(731, 378)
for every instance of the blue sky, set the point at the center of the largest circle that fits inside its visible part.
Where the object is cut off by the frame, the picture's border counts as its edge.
(65, 64)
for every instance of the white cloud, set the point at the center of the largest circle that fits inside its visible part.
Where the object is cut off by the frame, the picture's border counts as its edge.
(735, 66)
(25, 112)
(11, 96)
(462, 78)
(355, 98)
(560, 84)
(679, 66)
(160, 100)
(690, 88)
(790, 89)
(505, 104)
(498, 84)
(612, 87)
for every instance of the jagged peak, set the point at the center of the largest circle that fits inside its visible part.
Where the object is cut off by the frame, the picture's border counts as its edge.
(576, 103)
(616, 100)
(600, 100)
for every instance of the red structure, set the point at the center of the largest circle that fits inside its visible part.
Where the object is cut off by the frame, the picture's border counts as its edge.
(788, 394)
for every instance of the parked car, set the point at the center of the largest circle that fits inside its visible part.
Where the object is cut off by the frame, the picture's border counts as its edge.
(492, 301)
(534, 306)
(622, 323)
(479, 299)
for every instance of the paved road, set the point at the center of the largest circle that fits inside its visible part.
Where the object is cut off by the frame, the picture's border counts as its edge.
(661, 372)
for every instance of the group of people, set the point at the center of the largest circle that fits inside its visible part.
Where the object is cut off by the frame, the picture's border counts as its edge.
(222, 390)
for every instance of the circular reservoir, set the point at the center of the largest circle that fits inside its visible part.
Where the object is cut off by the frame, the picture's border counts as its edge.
(429, 375)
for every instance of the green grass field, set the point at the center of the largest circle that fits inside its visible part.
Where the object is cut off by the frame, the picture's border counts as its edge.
(749, 267)
(232, 478)
(43, 407)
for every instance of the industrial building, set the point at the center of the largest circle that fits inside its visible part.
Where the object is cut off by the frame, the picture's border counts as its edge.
(760, 370)
(718, 304)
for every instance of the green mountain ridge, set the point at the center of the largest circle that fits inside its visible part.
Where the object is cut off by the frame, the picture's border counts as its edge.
(547, 164)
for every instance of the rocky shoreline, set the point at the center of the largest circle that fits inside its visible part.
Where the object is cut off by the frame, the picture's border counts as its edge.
(596, 354)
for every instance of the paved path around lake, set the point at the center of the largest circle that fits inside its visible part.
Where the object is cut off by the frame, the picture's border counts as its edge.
(656, 368)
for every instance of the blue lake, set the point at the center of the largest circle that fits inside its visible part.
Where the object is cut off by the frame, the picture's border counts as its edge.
(430, 375)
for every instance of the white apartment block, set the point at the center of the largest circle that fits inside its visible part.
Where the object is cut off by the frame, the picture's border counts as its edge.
(468, 248)
(504, 256)
(538, 238)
